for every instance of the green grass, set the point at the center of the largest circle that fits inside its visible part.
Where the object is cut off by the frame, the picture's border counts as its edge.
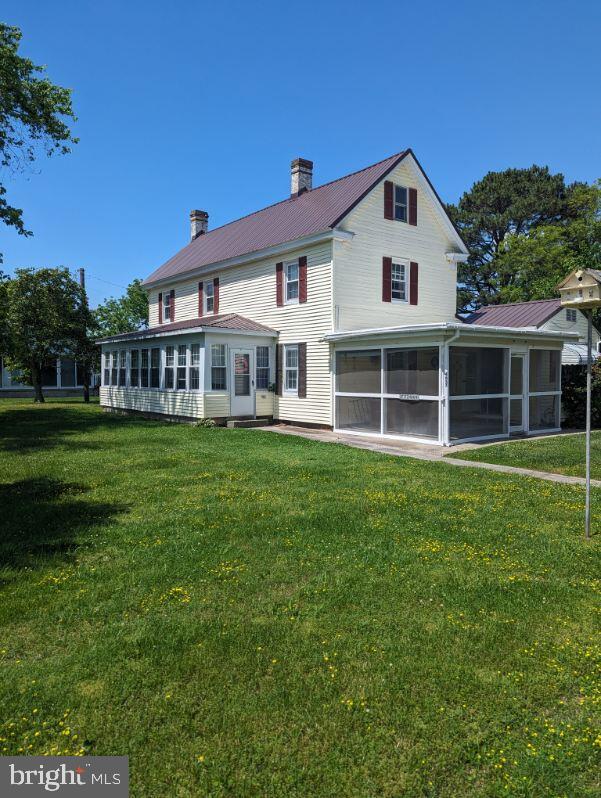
(561, 454)
(249, 614)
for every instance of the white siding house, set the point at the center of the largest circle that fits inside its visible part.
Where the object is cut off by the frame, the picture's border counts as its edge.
(335, 307)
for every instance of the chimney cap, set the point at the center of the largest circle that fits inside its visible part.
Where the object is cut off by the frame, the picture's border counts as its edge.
(301, 163)
(196, 213)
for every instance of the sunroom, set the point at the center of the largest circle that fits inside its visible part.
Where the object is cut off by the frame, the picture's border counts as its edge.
(218, 368)
(447, 383)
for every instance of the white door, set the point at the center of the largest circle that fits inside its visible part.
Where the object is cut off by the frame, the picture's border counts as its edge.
(242, 394)
(516, 390)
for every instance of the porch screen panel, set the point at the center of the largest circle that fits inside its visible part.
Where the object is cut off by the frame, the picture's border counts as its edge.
(544, 412)
(412, 371)
(67, 372)
(49, 374)
(358, 372)
(477, 418)
(405, 417)
(359, 413)
(545, 370)
(478, 370)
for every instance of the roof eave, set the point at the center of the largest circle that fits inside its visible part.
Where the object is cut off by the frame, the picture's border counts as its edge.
(147, 334)
(468, 329)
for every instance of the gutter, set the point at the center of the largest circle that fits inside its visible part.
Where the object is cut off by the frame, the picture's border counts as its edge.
(147, 334)
(468, 329)
(334, 234)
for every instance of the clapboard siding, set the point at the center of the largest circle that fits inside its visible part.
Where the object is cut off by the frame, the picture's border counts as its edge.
(358, 264)
(217, 404)
(560, 322)
(249, 290)
(264, 403)
(173, 403)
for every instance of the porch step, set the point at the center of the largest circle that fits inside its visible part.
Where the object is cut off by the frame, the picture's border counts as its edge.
(233, 423)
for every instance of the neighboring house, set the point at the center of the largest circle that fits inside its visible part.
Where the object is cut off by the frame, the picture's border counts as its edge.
(60, 377)
(542, 314)
(336, 308)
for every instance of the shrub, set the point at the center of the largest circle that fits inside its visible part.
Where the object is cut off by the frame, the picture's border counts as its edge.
(573, 399)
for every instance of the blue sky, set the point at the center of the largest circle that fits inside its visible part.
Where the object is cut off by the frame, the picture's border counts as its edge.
(186, 105)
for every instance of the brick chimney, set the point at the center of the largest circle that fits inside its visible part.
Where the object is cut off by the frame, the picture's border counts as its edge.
(301, 176)
(199, 223)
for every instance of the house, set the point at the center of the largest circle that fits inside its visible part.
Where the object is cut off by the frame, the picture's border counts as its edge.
(542, 314)
(60, 377)
(336, 308)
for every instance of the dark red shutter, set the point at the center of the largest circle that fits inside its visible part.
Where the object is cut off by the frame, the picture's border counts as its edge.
(413, 280)
(412, 206)
(279, 284)
(386, 278)
(388, 191)
(302, 371)
(279, 371)
(201, 299)
(160, 308)
(216, 295)
(172, 292)
(302, 279)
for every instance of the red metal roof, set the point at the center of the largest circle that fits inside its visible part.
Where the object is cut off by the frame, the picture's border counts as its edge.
(312, 212)
(516, 314)
(225, 321)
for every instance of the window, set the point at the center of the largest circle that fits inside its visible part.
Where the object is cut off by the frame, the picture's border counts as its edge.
(107, 368)
(182, 357)
(398, 282)
(114, 368)
(291, 274)
(218, 370)
(68, 375)
(262, 368)
(291, 368)
(400, 203)
(155, 360)
(144, 372)
(209, 296)
(570, 315)
(169, 364)
(167, 310)
(134, 371)
(122, 364)
(195, 367)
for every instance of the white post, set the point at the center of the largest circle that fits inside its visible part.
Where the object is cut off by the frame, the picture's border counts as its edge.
(587, 511)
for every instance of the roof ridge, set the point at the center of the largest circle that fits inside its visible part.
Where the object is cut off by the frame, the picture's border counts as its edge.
(511, 304)
(291, 199)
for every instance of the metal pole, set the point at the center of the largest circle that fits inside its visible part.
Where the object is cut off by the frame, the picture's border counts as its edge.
(589, 358)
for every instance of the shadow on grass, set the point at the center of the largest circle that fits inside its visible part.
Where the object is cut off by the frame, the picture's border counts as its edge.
(44, 426)
(43, 518)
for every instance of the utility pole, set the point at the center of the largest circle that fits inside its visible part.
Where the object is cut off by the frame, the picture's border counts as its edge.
(589, 360)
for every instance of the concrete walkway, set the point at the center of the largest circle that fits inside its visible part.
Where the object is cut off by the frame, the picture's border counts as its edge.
(421, 451)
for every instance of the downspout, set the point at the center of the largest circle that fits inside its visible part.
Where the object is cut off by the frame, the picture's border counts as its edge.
(445, 395)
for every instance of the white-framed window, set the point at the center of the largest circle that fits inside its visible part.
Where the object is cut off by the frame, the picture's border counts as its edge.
(167, 306)
(209, 296)
(169, 365)
(398, 282)
(122, 367)
(194, 367)
(218, 368)
(155, 367)
(291, 280)
(107, 368)
(291, 368)
(400, 203)
(114, 367)
(262, 367)
(144, 369)
(182, 362)
(134, 370)
(570, 314)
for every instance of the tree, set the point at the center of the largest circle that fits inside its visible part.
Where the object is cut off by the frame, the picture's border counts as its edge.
(32, 112)
(126, 314)
(46, 309)
(503, 204)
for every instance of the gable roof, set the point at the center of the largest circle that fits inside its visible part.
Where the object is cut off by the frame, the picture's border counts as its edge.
(226, 321)
(315, 211)
(515, 314)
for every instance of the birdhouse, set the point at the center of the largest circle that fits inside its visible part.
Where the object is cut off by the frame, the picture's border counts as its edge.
(581, 289)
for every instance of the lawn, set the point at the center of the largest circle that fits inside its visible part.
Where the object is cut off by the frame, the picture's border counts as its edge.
(249, 614)
(562, 454)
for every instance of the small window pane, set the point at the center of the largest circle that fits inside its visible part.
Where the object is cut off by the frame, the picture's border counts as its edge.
(545, 370)
(262, 367)
(155, 358)
(477, 370)
(358, 372)
(516, 381)
(194, 378)
(515, 412)
(291, 357)
(181, 355)
(67, 372)
(195, 354)
(359, 413)
(144, 372)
